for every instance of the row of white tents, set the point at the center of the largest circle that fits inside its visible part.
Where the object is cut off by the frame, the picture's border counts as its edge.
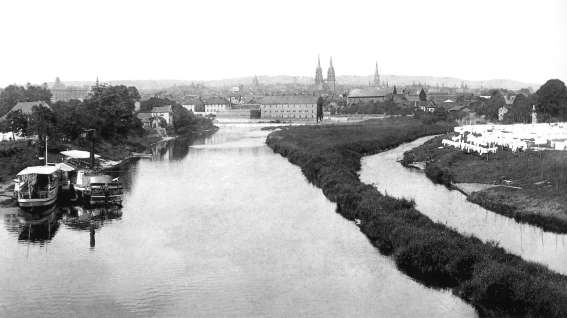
(484, 139)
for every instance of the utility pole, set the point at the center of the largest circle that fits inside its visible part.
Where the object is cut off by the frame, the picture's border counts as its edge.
(91, 133)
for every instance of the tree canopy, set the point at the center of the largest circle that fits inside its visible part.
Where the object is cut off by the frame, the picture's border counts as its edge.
(551, 99)
(13, 94)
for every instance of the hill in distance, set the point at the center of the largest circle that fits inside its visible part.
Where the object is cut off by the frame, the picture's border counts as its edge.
(351, 80)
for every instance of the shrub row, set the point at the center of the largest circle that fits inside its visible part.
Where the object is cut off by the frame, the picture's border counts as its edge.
(495, 282)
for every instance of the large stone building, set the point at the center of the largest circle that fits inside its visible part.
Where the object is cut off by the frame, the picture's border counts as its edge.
(214, 104)
(299, 107)
(64, 93)
(195, 105)
(367, 94)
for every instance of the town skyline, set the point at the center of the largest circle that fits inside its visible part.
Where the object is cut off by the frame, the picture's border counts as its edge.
(476, 41)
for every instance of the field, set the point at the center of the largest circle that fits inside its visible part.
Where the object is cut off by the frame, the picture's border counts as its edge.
(495, 282)
(532, 185)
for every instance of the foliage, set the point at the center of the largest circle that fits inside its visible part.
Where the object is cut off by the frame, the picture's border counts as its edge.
(489, 108)
(67, 118)
(41, 122)
(422, 96)
(520, 111)
(18, 122)
(109, 109)
(552, 99)
(146, 106)
(13, 94)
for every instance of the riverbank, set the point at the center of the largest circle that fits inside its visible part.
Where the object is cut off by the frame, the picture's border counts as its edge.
(16, 156)
(494, 281)
(528, 186)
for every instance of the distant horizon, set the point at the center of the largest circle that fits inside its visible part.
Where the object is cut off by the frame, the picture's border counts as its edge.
(212, 40)
(385, 77)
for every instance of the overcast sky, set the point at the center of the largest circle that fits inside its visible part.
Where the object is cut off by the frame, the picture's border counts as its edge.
(204, 40)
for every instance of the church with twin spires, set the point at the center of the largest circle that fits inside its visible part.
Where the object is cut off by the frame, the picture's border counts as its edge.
(325, 85)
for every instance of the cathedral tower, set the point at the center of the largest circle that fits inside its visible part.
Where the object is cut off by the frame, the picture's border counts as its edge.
(331, 72)
(376, 76)
(318, 72)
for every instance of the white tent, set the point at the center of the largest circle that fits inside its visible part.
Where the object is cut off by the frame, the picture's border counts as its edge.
(78, 154)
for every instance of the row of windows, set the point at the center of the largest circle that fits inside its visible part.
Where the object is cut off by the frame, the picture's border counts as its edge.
(294, 116)
(299, 111)
(282, 106)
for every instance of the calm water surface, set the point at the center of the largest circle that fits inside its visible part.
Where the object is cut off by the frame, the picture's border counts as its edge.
(222, 228)
(452, 208)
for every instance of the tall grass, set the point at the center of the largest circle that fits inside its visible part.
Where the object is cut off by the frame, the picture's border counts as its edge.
(495, 282)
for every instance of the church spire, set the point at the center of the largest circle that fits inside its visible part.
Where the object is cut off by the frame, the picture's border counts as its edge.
(318, 72)
(376, 76)
(331, 71)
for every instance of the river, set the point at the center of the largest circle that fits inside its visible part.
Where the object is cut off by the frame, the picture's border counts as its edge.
(451, 207)
(222, 227)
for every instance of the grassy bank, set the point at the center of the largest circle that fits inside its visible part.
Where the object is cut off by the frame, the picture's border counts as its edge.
(495, 282)
(539, 181)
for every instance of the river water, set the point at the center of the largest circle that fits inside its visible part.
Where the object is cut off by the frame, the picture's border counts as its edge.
(452, 208)
(223, 227)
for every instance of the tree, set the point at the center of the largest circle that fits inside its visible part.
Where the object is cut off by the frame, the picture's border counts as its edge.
(320, 102)
(521, 110)
(422, 96)
(182, 118)
(109, 109)
(441, 113)
(67, 119)
(551, 99)
(18, 122)
(36, 93)
(9, 97)
(525, 91)
(42, 122)
(489, 107)
(395, 90)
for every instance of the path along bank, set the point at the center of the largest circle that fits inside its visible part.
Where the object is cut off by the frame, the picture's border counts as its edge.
(485, 275)
(528, 186)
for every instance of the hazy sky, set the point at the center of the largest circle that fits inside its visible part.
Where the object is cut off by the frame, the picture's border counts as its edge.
(203, 40)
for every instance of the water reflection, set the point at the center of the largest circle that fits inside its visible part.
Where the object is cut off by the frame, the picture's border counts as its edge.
(41, 228)
(38, 228)
(91, 219)
(171, 150)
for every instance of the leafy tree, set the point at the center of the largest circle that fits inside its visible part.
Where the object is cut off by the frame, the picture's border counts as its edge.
(520, 111)
(490, 107)
(36, 93)
(18, 122)
(109, 109)
(525, 91)
(441, 113)
(13, 94)
(67, 118)
(395, 90)
(551, 99)
(9, 97)
(182, 118)
(422, 96)
(42, 122)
